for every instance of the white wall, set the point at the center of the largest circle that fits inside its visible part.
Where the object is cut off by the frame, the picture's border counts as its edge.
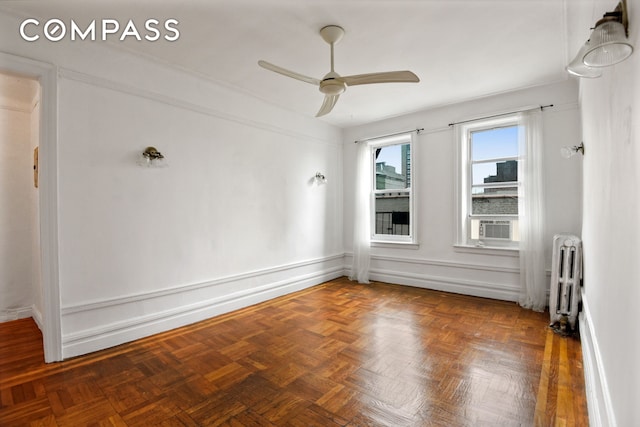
(232, 221)
(611, 233)
(16, 205)
(435, 263)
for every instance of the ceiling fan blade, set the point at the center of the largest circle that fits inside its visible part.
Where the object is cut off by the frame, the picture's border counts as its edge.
(327, 104)
(288, 73)
(385, 77)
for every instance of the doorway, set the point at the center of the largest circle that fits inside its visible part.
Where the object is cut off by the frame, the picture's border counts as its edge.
(20, 285)
(44, 293)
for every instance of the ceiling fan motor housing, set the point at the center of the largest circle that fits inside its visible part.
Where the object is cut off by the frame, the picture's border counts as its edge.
(332, 86)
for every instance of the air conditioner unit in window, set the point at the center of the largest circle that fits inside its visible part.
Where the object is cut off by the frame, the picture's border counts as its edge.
(495, 229)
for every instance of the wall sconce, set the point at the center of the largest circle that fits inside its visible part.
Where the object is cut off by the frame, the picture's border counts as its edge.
(607, 45)
(152, 158)
(578, 68)
(320, 178)
(568, 152)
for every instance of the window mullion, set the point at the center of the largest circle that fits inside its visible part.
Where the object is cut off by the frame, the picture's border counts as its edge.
(500, 184)
(494, 160)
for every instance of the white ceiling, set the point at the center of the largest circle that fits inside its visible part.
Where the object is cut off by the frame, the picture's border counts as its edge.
(460, 49)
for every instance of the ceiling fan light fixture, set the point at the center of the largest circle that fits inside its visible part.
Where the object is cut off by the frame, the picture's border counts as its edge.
(608, 44)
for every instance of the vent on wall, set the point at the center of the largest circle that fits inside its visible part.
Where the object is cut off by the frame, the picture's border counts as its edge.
(495, 230)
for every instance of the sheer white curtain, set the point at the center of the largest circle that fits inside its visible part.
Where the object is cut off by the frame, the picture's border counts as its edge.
(533, 283)
(362, 215)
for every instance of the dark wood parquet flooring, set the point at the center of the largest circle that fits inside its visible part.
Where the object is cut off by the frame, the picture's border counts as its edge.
(338, 354)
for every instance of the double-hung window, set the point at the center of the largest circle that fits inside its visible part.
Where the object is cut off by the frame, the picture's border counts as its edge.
(393, 213)
(489, 183)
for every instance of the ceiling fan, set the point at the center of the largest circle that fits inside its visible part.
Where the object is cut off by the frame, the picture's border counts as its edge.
(333, 84)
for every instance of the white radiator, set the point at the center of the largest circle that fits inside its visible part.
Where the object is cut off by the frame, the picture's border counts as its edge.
(566, 274)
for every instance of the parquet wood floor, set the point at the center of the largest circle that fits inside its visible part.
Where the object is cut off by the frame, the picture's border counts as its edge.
(338, 354)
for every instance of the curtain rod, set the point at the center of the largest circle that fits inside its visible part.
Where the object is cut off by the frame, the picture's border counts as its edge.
(542, 107)
(417, 130)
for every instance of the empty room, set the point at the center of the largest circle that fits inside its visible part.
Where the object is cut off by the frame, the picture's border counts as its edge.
(319, 213)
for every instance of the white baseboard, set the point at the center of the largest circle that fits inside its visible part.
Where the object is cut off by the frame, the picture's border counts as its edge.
(479, 280)
(599, 402)
(103, 324)
(10, 314)
(457, 286)
(37, 317)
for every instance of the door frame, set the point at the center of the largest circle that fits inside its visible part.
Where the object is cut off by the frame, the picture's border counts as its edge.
(47, 75)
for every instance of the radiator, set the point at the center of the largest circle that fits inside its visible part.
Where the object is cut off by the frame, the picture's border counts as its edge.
(566, 276)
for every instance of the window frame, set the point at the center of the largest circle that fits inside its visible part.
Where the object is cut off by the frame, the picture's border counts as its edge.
(411, 238)
(465, 186)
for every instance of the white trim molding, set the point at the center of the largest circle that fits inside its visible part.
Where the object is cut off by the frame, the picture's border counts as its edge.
(475, 288)
(481, 280)
(32, 311)
(16, 313)
(127, 89)
(37, 317)
(97, 325)
(599, 402)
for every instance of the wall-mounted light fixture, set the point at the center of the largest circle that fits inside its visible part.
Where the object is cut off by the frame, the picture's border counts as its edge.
(320, 178)
(607, 45)
(152, 158)
(568, 152)
(578, 68)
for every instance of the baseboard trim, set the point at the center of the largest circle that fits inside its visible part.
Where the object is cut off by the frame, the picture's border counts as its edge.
(23, 313)
(37, 317)
(424, 262)
(496, 282)
(10, 314)
(599, 402)
(143, 296)
(446, 284)
(134, 327)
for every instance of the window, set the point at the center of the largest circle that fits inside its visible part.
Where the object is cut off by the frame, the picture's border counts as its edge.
(489, 183)
(392, 202)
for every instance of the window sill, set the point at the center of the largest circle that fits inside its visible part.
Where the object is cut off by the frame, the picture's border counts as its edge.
(487, 250)
(394, 245)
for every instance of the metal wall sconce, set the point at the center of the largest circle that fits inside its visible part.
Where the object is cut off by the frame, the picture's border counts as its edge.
(320, 178)
(568, 152)
(607, 45)
(152, 158)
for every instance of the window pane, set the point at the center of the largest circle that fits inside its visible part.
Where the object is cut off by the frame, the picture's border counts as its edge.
(392, 213)
(486, 173)
(494, 143)
(393, 167)
(494, 201)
